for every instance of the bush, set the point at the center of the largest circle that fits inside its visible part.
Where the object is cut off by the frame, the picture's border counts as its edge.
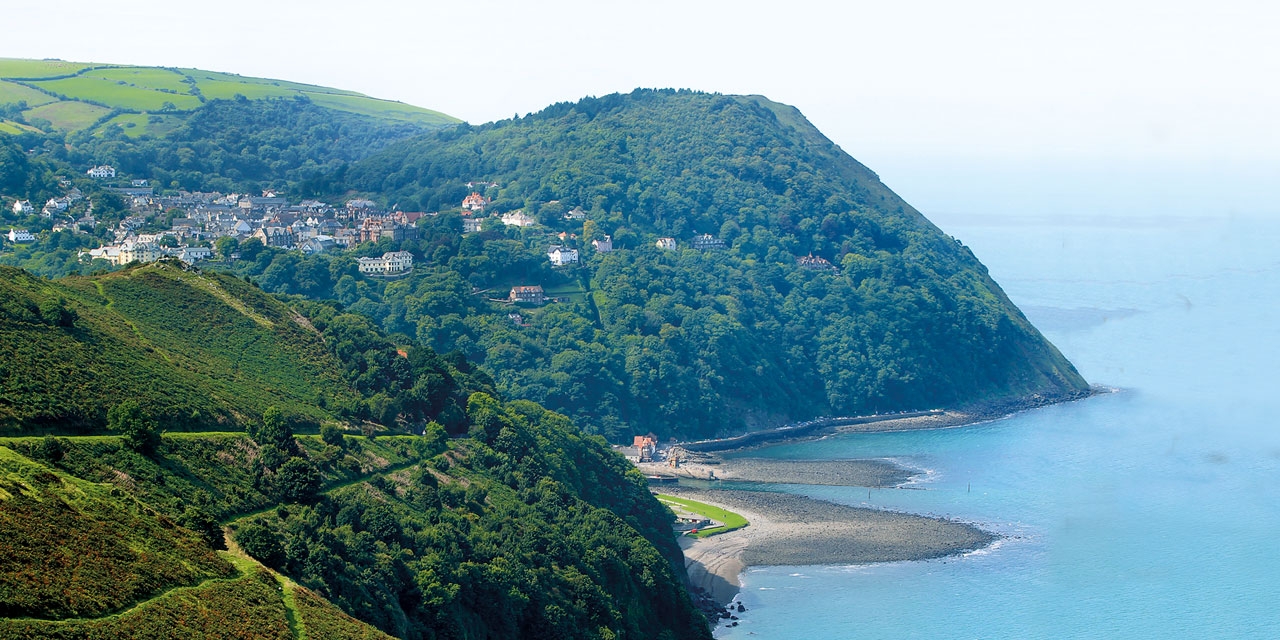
(139, 431)
(259, 541)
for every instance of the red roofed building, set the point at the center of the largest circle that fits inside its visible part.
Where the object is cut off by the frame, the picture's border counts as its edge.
(474, 202)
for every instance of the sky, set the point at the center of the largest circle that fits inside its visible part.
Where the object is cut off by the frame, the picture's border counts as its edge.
(1117, 108)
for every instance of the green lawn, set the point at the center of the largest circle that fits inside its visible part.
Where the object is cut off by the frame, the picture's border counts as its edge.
(15, 68)
(11, 92)
(68, 116)
(118, 95)
(730, 519)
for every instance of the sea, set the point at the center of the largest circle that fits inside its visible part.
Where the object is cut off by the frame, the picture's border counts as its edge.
(1149, 512)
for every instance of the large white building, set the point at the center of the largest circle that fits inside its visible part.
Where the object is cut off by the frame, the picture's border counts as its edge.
(390, 263)
(20, 235)
(104, 171)
(518, 219)
(23, 207)
(561, 256)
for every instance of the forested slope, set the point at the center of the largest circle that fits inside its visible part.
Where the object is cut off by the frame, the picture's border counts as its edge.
(698, 342)
(498, 519)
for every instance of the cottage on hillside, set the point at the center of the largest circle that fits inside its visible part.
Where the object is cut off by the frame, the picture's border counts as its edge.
(20, 236)
(603, 245)
(101, 172)
(665, 243)
(706, 242)
(528, 295)
(815, 263)
(474, 202)
(23, 207)
(561, 256)
(518, 218)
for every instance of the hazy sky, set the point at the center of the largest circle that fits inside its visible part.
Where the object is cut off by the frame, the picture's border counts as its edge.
(1012, 107)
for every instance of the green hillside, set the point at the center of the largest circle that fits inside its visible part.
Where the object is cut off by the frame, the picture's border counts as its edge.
(518, 525)
(692, 342)
(201, 352)
(523, 529)
(116, 89)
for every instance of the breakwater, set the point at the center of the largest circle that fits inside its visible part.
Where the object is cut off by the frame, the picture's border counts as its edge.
(797, 430)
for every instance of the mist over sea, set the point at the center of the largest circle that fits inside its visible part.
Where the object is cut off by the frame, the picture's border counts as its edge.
(1153, 512)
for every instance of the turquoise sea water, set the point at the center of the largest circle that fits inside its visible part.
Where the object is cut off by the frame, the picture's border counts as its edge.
(1153, 512)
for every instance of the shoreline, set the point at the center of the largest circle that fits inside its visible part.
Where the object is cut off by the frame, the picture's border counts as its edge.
(787, 529)
(975, 413)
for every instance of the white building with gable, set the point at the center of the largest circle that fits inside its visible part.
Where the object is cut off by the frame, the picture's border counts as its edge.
(560, 256)
(391, 263)
(103, 171)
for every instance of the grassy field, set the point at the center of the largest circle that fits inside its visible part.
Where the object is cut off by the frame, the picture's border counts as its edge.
(118, 95)
(148, 89)
(284, 87)
(152, 78)
(18, 68)
(68, 116)
(139, 124)
(381, 108)
(730, 519)
(11, 92)
(7, 126)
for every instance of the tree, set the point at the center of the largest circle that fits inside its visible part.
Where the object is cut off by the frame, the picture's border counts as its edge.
(333, 435)
(299, 481)
(259, 541)
(226, 245)
(273, 430)
(139, 431)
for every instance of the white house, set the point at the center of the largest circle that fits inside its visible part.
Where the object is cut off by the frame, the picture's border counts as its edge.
(665, 243)
(103, 171)
(23, 207)
(576, 214)
(561, 256)
(603, 245)
(21, 235)
(392, 262)
(57, 204)
(472, 225)
(191, 255)
(518, 218)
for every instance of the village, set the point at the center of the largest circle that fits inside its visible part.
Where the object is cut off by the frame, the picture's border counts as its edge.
(191, 227)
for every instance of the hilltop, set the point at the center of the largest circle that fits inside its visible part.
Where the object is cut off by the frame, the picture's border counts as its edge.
(93, 97)
(791, 283)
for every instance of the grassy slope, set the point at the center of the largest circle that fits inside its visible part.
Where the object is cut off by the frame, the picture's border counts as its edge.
(93, 562)
(79, 549)
(147, 89)
(200, 351)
